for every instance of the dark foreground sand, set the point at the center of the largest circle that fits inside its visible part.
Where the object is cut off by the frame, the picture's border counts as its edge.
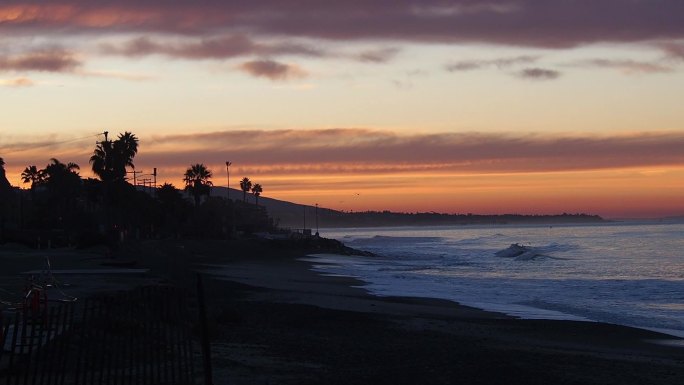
(277, 322)
(274, 321)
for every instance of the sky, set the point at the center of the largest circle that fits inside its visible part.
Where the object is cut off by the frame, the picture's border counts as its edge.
(462, 106)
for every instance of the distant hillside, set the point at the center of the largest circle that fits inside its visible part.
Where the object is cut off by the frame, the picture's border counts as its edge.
(294, 215)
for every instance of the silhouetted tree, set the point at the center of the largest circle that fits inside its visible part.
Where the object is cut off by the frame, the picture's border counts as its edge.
(245, 185)
(168, 193)
(257, 190)
(33, 175)
(56, 169)
(63, 184)
(5, 192)
(197, 181)
(110, 158)
(4, 183)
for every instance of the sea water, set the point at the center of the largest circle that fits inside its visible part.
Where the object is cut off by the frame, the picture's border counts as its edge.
(621, 273)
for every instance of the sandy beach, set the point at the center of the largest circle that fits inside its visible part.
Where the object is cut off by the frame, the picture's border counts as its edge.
(275, 321)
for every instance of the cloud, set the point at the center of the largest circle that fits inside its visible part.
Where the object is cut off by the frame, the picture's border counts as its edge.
(552, 23)
(223, 47)
(51, 60)
(538, 74)
(17, 82)
(273, 70)
(331, 151)
(118, 75)
(382, 55)
(500, 63)
(627, 66)
(673, 50)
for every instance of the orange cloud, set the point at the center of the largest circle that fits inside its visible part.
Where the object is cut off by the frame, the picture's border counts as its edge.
(17, 82)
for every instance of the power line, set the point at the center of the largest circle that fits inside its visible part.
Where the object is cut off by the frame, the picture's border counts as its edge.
(32, 147)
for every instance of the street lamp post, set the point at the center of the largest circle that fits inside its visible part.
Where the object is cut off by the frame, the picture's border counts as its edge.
(228, 176)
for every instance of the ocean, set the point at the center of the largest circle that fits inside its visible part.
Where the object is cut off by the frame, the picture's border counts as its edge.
(622, 273)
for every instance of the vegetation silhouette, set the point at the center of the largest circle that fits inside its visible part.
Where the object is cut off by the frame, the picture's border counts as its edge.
(245, 185)
(5, 193)
(63, 209)
(110, 158)
(257, 190)
(197, 181)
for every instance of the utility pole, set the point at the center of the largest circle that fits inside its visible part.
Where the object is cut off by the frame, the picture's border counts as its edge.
(135, 174)
(316, 219)
(228, 176)
(154, 191)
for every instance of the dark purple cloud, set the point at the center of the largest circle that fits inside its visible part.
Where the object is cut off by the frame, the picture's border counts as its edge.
(272, 70)
(540, 23)
(51, 60)
(208, 48)
(538, 74)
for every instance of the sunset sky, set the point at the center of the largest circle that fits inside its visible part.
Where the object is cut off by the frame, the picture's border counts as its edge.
(502, 106)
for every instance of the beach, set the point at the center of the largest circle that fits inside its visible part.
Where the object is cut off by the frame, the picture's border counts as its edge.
(273, 320)
(277, 321)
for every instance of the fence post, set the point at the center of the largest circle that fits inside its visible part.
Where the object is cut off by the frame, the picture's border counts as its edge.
(204, 332)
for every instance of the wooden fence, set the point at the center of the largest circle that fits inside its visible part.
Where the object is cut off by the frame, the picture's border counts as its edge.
(143, 336)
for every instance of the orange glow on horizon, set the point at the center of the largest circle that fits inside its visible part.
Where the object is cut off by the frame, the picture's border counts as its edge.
(639, 192)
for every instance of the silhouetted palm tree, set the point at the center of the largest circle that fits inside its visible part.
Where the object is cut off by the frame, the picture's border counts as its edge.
(197, 181)
(63, 183)
(110, 158)
(33, 175)
(57, 169)
(245, 185)
(257, 190)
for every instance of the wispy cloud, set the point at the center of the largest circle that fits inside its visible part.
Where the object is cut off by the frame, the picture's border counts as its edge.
(382, 55)
(674, 50)
(538, 74)
(499, 63)
(48, 60)
(118, 75)
(273, 70)
(17, 82)
(627, 66)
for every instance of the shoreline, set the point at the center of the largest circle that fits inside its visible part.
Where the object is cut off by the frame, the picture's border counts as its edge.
(677, 335)
(279, 321)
